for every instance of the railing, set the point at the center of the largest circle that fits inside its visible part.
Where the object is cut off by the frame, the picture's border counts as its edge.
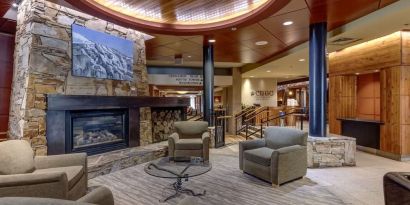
(269, 119)
(194, 114)
(240, 117)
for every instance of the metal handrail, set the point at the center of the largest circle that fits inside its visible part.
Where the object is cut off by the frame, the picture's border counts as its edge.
(256, 114)
(257, 111)
(239, 115)
(267, 124)
(278, 117)
(244, 111)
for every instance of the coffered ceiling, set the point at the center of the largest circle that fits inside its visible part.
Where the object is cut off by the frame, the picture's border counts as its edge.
(237, 45)
(294, 63)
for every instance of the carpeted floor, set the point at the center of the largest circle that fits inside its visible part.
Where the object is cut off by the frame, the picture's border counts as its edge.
(224, 184)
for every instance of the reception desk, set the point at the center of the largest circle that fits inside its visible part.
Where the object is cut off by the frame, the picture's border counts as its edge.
(366, 132)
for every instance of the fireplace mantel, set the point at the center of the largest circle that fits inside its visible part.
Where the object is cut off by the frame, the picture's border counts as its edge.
(59, 108)
(86, 102)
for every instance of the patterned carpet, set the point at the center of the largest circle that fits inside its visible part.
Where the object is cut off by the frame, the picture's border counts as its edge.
(224, 184)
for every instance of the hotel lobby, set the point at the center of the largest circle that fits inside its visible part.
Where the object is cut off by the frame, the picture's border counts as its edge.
(192, 102)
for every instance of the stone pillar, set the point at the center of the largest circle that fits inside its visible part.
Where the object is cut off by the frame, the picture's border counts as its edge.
(234, 104)
(317, 79)
(208, 81)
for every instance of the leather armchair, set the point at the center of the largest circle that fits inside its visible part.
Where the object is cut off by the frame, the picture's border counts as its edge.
(23, 175)
(278, 158)
(396, 187)
(190, 139)
(98, 196)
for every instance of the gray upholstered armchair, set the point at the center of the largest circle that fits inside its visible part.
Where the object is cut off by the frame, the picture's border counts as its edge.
(98, 196)
(190, 139)
(279, 158)
(23, 175)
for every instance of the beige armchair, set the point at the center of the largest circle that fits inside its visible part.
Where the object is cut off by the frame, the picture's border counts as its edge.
(23, 175)
(98, 196)
(190, 139)
(279, 158)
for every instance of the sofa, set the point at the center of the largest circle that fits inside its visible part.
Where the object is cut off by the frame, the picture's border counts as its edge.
(23, 175)
(190, 139)
(396, 186)
(278, 158)
(98, 196)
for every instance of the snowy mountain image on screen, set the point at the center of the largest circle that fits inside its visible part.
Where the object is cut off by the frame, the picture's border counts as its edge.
(100, 55)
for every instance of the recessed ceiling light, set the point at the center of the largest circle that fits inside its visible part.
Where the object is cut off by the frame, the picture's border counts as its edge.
(211, 40)
(301, 60)
(287, 23)
(189, 56)
(251, 76)
(15, 5)
(268, 71)
(357, 73)
(261, 43)
(233, 28)
(376, 71)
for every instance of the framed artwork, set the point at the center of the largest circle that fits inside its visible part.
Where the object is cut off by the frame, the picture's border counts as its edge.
(100, 55)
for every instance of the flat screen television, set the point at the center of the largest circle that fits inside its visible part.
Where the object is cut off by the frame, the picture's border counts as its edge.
(100, 55)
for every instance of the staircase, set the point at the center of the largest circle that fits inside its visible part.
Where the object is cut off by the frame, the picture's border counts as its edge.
(257, 116)
(252, 129)
(194, 118)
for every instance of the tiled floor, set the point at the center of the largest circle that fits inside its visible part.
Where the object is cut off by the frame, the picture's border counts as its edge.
(362, 184)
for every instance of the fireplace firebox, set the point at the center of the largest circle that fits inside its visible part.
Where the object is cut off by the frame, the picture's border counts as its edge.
(96, 131)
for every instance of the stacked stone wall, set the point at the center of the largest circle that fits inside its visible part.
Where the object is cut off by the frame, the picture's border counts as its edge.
(42, 65)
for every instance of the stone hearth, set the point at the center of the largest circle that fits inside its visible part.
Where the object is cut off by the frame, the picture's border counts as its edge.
(109, 162)
(332, 151)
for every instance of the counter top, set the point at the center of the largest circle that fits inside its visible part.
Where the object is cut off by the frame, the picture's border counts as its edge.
(361, 120)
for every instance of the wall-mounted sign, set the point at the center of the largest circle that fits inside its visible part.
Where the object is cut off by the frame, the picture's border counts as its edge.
(186, 80)
(260, 91)
(263, 93)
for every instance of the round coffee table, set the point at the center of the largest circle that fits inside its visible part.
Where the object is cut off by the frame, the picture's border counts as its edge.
(181, 168)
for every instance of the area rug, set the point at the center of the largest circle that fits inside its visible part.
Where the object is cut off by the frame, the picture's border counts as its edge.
(224, 184)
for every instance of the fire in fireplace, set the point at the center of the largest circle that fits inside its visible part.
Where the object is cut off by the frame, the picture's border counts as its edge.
(97, 131)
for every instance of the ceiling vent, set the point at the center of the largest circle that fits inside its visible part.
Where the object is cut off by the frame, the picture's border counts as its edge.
(343, 41)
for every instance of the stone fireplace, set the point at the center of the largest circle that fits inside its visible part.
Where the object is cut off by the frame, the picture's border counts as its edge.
(42, 67)
(97, 124)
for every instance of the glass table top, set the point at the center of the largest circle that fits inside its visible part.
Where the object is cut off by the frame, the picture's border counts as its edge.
(181, 167)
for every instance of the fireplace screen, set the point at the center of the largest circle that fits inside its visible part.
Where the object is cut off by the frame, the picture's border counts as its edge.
(96, 129)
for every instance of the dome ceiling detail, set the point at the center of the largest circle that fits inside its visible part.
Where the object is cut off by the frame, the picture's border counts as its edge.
(181, 16)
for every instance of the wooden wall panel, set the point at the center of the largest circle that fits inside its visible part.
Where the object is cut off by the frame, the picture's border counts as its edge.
(405, 109)
(380, 53)
(342, 100)
(405, 48)
(390, 55)
(6, 74)
(368, 96)
(390, 110)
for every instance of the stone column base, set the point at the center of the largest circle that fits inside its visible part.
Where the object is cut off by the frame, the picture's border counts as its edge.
(211, 131)
(332, 151)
